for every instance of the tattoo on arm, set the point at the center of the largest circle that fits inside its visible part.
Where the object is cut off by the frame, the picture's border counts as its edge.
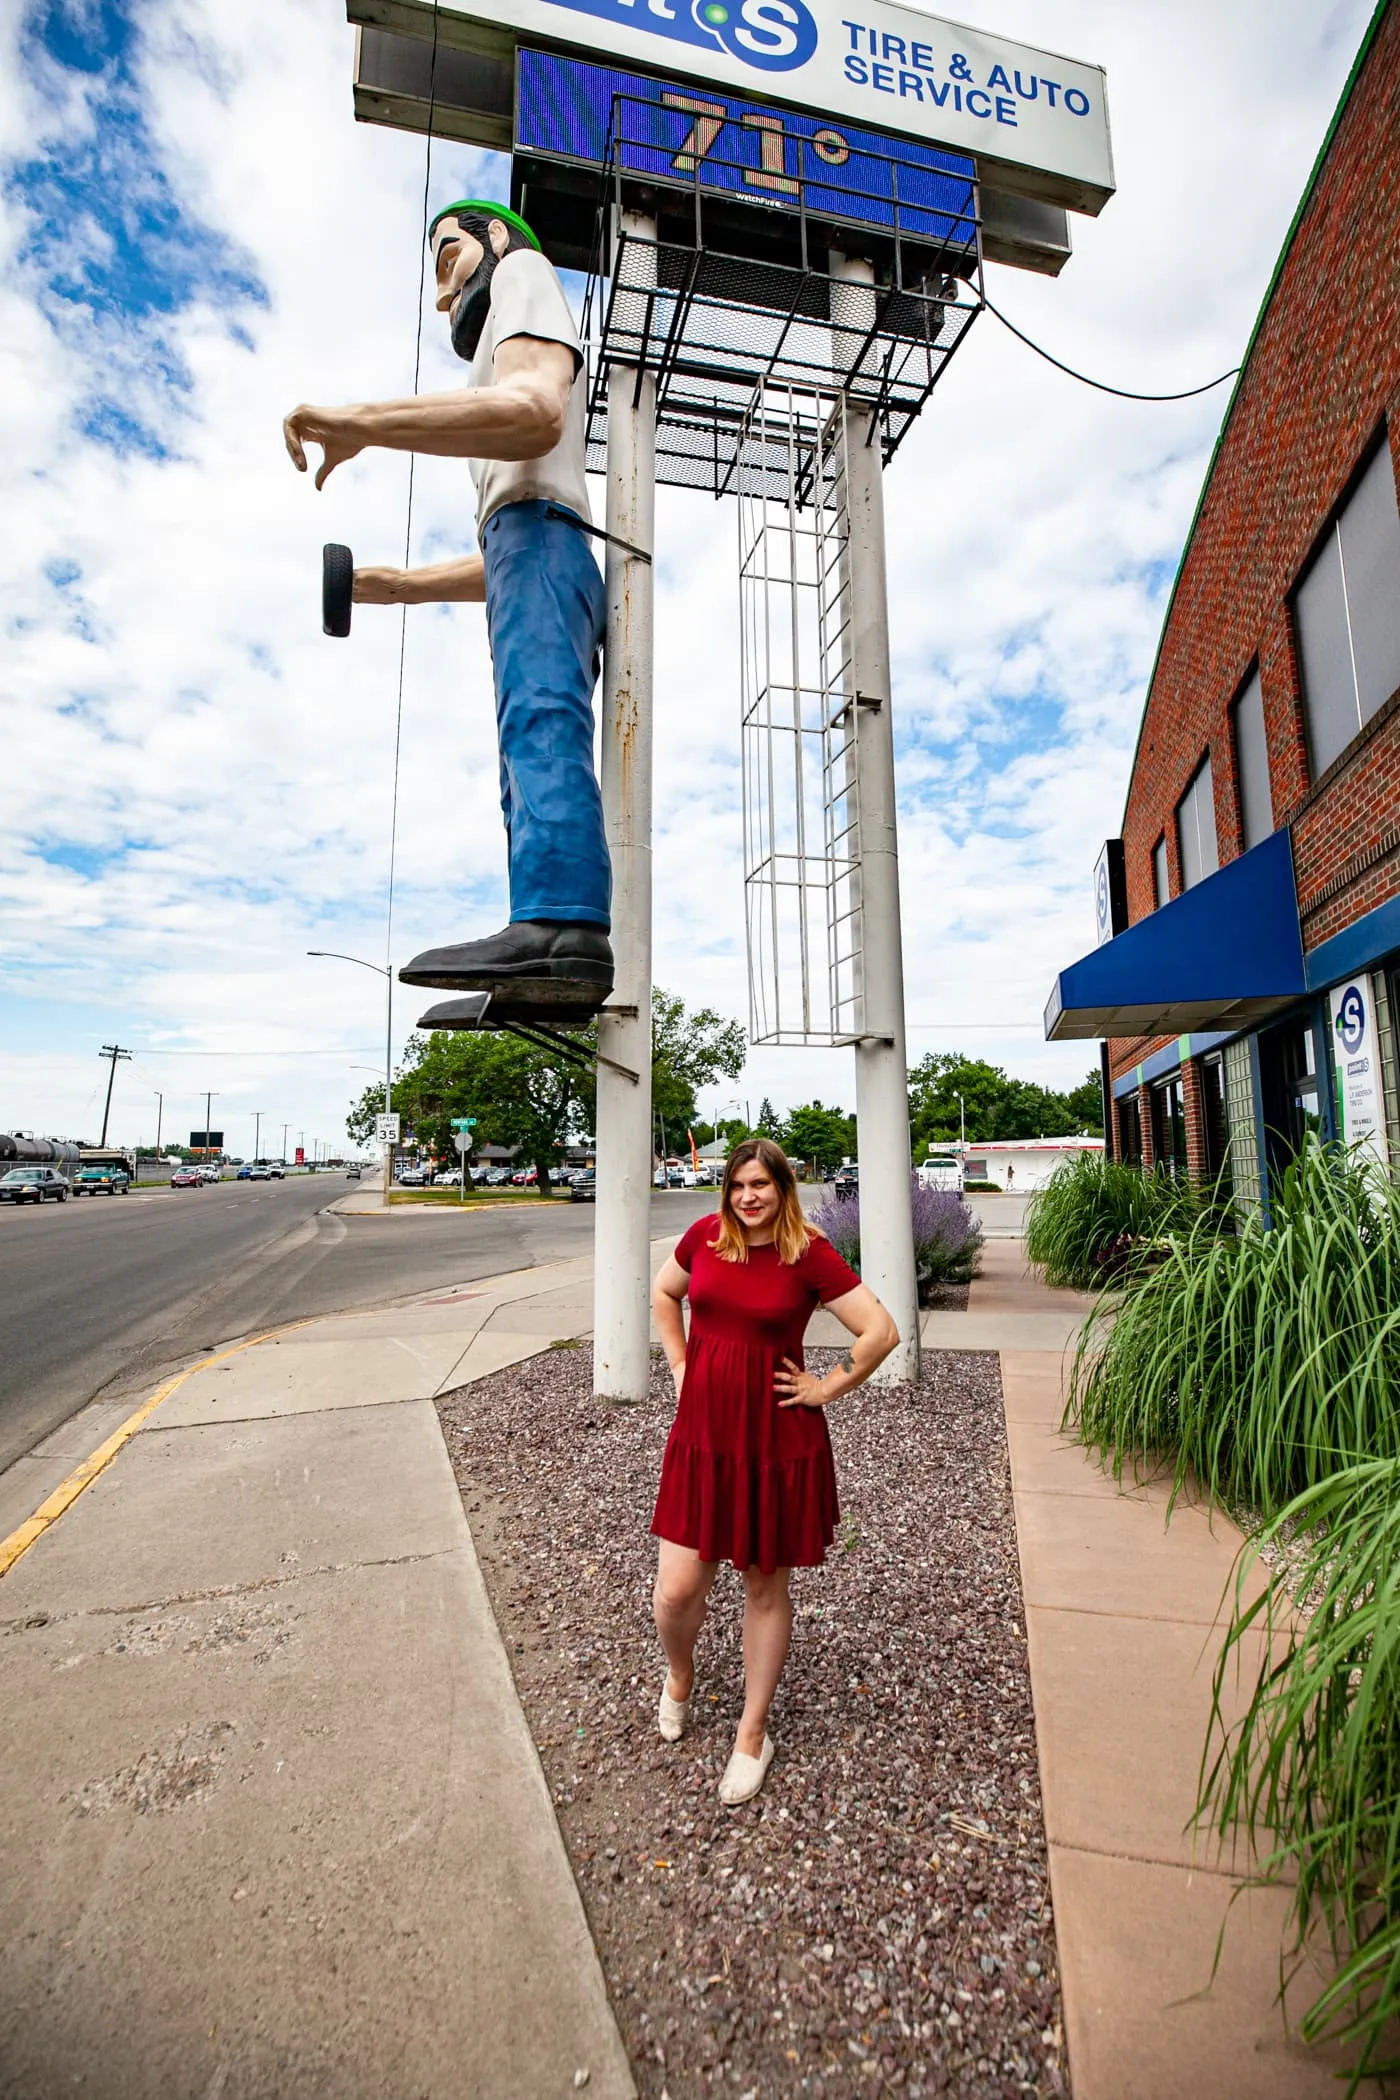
(847, 1363)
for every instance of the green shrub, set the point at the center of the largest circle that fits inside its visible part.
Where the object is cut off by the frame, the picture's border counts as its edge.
(1094, 1215)
(1261, 1360)
(1312, 1771)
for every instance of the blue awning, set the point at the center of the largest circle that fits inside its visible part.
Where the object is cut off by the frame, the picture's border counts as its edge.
(1224, 955)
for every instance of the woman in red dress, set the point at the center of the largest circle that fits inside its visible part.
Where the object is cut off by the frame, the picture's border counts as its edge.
(748, 1475)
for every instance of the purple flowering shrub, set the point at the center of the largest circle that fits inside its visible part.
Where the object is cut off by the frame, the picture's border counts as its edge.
(947, 1236)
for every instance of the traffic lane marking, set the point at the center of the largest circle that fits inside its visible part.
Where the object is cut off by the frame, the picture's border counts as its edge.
(67, 1492)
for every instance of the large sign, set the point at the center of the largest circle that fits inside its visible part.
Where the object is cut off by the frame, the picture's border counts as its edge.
(567, 110)
(386, 1128)
(1357, 1062)
(206, 1141)
(874, 64)
(1110, 893)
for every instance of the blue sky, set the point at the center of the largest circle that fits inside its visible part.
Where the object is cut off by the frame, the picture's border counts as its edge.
(194, 235)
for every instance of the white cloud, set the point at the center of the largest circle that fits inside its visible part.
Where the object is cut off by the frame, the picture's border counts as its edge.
(216, 774)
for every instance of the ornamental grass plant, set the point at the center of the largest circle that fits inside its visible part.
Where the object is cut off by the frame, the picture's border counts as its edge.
(1262, 1360)
(1312, 1771)
(1094, 1216)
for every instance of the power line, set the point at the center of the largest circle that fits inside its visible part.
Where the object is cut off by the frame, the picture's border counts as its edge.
(1100, 385)
(408, 523)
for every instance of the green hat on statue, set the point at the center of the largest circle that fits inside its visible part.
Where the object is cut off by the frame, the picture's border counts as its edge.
(479, 207)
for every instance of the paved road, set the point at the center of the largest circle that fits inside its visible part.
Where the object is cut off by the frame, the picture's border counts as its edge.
(99, 1296)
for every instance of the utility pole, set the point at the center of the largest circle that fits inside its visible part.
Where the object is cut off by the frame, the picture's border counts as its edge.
(622, 1274)
(257, 1129)
(114, 1051)
(209, 1096)
(882, 1072)
(160, 1112)
(285, 1128)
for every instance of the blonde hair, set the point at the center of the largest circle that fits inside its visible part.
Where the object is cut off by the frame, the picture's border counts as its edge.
(792, 1235)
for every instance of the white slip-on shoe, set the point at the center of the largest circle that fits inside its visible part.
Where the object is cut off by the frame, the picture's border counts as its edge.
(672, 1714)
(744, 1776)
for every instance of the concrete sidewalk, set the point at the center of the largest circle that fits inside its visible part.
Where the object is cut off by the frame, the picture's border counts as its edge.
(1125, 1615)
(272, 1820)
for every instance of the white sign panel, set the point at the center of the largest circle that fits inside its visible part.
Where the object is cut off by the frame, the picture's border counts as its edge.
(870, 61)
(1356, 1052)
(386, 1129)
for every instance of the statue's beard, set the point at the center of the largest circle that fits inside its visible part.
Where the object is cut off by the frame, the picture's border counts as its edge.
(473, 305)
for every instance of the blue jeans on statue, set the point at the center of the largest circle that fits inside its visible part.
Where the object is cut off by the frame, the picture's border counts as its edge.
(545, 619)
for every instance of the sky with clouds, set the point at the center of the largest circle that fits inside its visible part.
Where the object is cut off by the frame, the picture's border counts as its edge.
(195, 235)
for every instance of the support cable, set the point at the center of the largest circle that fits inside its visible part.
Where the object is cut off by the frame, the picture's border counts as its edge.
(1101, 386)
(408, 521)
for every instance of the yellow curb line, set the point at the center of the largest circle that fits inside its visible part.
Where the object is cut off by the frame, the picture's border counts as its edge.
(67, 1492)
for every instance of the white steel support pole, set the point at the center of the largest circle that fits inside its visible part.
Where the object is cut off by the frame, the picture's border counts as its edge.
(621, 1238)
(882, 1074)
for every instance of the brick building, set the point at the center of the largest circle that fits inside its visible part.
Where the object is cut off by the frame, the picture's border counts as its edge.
(1247, 978)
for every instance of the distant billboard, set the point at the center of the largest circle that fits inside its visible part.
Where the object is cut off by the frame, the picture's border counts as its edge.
(206, 1141)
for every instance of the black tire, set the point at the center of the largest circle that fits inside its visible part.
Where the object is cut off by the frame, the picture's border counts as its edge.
(337, 582)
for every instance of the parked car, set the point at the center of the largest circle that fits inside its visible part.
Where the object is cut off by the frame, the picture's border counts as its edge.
(33, 1185)
(446, 1178)
(411, 1178)
(584, 1187)
(101, 1181)
(187, 1178)
(847, 1181)
(497, 1177)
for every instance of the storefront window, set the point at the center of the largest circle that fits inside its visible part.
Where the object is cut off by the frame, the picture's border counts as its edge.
(1169, 1126)
(1292, 1101)
(1213, 1110)
(1130, 1131)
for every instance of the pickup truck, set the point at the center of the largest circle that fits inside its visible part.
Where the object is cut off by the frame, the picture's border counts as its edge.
(100, 1181)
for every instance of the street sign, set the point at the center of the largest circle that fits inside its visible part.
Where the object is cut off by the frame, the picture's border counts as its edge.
(463, 1141)
(464, 1122)
(580, 114)
(1038, 120)
(386, 1129)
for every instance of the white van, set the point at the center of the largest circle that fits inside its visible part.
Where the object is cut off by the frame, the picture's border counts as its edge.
(942, 1170)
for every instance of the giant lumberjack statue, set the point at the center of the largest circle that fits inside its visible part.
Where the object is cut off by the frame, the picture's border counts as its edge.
(520, 426)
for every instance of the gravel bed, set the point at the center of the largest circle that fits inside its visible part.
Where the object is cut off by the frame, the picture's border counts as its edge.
(879, 1919)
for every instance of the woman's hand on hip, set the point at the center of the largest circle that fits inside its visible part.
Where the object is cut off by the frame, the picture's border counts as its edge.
(798, 1388)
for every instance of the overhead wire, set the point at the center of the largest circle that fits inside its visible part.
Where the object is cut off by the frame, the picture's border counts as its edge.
(408, 519)
(1100, 385)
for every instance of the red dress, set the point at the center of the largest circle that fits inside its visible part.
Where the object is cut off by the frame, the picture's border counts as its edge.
(744, 1479)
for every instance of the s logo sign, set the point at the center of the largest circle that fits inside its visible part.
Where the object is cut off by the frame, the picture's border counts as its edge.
(773, 35)
(1351, 1020)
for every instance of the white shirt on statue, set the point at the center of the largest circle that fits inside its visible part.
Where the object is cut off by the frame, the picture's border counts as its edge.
(528, 299)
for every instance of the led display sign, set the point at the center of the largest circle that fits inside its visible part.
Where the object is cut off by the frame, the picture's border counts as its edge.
(567, 110)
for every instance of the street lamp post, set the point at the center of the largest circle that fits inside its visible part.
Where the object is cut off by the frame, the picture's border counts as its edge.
(962, 1125)
(257, 1132)
(209, 1097)
(160, 1115)
(114, 1052)
(334, 955)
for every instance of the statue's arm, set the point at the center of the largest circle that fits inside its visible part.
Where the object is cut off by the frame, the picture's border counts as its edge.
(445, 583)
(520, 416)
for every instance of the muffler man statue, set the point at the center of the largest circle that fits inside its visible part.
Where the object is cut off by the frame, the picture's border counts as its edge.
(520, 426)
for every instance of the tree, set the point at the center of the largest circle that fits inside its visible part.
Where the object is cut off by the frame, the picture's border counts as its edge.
(997, 1107)
(768, 1124)
(821, 1136)
(530, 1096)
(520, 1095)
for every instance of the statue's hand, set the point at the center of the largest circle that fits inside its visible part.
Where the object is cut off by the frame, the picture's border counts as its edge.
(377, 586)
(330, 428)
